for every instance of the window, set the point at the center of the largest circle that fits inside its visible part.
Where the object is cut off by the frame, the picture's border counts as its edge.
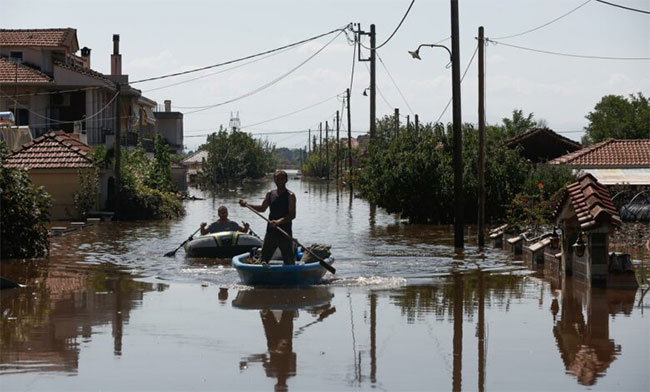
(21, 116)
(16, 56)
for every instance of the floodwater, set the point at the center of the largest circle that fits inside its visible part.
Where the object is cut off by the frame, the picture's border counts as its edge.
(106, 311)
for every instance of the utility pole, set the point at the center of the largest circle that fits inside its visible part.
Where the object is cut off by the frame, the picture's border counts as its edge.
(338, 145)
(327, 150)
(320, 150)
(408, 122)
(396, 122)
(459, 240)
(118, 146)
(349, 134)
(373, 96)
(309, 140)
(417, 125)
(481, 138)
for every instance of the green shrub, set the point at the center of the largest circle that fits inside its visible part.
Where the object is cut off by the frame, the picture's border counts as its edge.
(412, 174)
(85, 199)
(234, 156)
(24, 211)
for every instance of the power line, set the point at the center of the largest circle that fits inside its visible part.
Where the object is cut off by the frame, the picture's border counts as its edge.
(390, 107)
(461, 80)
(624, 7)
(394, 83)
(398, 26)
(219, 72)
(58, 91)
(547, 23)
(265, 86)
(58, 121)
(289, 114)
(569, 54)
(341, 29)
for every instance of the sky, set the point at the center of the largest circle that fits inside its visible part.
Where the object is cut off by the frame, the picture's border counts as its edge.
(304, 87)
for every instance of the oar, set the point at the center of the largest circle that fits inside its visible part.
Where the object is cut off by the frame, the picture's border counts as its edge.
(322, 262)
(173, 252)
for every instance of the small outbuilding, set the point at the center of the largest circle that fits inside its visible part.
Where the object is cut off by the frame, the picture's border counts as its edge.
(542, 144)
(587, 217)
(56, 161)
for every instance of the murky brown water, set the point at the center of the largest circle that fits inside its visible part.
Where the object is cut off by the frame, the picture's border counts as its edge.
(107, 311)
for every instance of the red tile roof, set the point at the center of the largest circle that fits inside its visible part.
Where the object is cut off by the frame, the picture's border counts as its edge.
(84, 71)
(61, 37)
(609, 153)
(54, 150)
(591, 202)
(25, 74)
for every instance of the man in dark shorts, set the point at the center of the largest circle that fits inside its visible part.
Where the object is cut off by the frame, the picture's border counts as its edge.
(223, 224)
(282, 204)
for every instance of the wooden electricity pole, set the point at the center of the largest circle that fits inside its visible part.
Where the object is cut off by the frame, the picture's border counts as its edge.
(117, 152)
(396, 122)
(481, 138)
(417, 125)
(327, 150)
(347, 100)
(320, 149)
(338, 145)
(459, 240)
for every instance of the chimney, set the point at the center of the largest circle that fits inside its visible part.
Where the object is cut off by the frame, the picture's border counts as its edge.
(116, 57)
(168, 105)
(85, 56)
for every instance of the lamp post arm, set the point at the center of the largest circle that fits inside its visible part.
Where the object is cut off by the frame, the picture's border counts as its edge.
(435, 46)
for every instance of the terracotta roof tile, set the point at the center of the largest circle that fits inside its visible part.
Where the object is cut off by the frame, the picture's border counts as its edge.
(84, 71)
(36, 37)
(591, 202)
(54, 150)
(24, 73)
(611, 152)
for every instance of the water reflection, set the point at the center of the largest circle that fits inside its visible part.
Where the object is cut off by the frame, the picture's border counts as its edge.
(42, 323)
(583, 337)
(278, 308)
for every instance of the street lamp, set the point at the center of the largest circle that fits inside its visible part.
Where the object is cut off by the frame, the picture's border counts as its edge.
(459, 240)
(416, 53)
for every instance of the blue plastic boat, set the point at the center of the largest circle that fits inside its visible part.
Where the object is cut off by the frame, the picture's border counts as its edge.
(278, 274)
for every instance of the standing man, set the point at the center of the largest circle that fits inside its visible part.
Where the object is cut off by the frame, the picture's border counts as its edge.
(282, 203)
(223, 224)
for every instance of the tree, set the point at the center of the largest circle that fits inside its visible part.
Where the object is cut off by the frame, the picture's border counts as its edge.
(23, 214)
(617, 117)
(518, 124)
(412, 174)
(159, 173)
(234, 156)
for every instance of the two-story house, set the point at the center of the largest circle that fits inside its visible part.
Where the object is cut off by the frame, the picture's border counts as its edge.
(49, 87)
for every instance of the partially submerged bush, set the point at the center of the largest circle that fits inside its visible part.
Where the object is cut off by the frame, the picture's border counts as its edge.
(24, 211)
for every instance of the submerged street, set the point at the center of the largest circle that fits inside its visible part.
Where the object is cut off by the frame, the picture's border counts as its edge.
(108, 311)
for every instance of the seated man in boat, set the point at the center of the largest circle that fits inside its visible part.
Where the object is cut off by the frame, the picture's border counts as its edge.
(223, 224)
(282, 203)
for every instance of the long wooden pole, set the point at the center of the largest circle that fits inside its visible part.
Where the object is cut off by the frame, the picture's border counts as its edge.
(481, 139)
(322, 262)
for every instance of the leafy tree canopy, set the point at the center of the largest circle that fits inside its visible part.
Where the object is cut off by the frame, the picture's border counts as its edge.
(620, 118)
(234, 156)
